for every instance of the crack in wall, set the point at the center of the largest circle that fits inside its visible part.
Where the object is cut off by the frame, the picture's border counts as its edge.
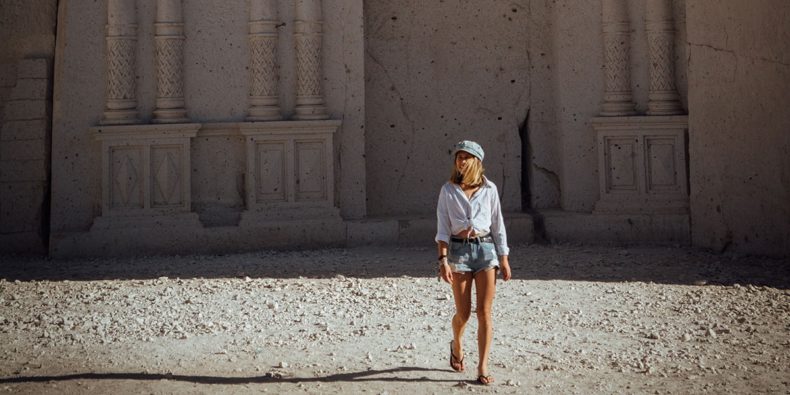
(403, 112)
(737, 55)
(552, 176)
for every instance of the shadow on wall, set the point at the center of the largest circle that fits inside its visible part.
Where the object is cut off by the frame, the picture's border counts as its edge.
(681, 266)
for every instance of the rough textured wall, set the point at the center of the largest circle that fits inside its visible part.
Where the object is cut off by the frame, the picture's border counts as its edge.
(27, 29)
(27, 34)
(435, 75)
(578, 79)
(739, 75)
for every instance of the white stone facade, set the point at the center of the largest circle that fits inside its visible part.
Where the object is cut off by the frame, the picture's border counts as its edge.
(220, 125)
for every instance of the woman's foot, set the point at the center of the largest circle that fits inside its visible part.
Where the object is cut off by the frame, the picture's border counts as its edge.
(455, 363)
(485, 379)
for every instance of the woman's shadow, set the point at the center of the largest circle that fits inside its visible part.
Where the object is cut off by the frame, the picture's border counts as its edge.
(390, 375)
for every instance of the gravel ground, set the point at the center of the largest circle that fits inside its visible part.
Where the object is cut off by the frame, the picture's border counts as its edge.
(574, 319)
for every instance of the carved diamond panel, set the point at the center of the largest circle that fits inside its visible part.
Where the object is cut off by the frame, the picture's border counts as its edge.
(167, 180)
(126, 177)
(145, 169)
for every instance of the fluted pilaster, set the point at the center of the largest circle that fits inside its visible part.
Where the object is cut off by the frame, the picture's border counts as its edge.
(663, 98)
(169, 39)
(121, 36)
(617, 100)
(264, 100)
(308, 30)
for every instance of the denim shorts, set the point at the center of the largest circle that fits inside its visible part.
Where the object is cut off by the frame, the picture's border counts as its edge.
(472, 257)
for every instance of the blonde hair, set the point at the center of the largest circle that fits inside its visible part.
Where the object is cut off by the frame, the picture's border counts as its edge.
(473, 176)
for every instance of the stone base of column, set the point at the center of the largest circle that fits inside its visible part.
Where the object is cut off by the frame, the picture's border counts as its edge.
(120, 117)
(264, 109)
(664, 103)
(170, 110)
(617, 109)
(257, 114)
(310, 108)
(170, 116)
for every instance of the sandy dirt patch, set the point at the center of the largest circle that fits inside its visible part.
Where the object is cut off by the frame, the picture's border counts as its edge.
(574, 319)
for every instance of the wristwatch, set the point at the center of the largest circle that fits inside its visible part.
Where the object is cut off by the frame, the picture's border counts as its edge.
(442, 259)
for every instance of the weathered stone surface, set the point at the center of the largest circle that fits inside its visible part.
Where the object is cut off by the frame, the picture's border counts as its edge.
(740, 167)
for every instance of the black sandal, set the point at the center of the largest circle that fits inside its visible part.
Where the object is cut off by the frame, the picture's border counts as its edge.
(455, 363)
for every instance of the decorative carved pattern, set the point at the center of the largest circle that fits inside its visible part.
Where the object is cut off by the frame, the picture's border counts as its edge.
(120, 68)
(662, 63)
(617, 98)
(616, 66)
(263, 56)
(169, 70)
(167, 176)
(308, 65)
(126, 179)
(642, 164)
(145, 169)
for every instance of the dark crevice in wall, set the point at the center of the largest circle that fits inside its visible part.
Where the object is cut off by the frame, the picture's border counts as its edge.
(539, 228)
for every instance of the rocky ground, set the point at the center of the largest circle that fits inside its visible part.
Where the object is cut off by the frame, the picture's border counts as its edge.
(574, 319)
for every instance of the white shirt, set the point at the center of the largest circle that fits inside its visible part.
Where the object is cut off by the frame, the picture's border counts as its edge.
(456, 213)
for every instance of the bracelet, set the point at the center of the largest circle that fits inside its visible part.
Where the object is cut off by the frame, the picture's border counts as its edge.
(443, 260)
(441, 257)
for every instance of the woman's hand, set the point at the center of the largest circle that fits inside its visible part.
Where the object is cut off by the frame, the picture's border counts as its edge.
(446, 273)
(504, 266)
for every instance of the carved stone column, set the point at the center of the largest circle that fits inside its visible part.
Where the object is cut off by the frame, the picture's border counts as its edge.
(308, 36)
(169, 63)
(617, 99)
(264, 97)
(121, 35)
(663, 97)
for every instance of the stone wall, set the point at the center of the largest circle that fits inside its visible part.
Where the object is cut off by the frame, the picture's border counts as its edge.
(212, 125)
(523, 78)
(435, 75)
(28, 37)
(739, 74)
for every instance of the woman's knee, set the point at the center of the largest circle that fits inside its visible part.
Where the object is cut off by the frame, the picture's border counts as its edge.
(463, 315)
(484, 314)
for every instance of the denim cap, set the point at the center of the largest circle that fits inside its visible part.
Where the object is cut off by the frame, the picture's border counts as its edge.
(470, 147)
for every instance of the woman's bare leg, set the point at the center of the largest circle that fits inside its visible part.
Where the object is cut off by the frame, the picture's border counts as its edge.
(485, 282)
(462, 293)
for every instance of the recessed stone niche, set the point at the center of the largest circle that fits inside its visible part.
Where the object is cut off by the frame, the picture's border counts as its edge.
(642, 165)
(145, 173)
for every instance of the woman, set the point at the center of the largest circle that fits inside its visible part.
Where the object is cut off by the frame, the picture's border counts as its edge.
(472, 245)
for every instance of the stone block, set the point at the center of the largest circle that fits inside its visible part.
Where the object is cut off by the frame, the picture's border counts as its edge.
(33, 68)
(22, 243)
(24, 130)
(7, 74)
(520, 228)
(370, 232)
(617, 229)
(22, 206)
(30, 88)
(19, 110)
(20, 150)
(417, 231)
(23, 170)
